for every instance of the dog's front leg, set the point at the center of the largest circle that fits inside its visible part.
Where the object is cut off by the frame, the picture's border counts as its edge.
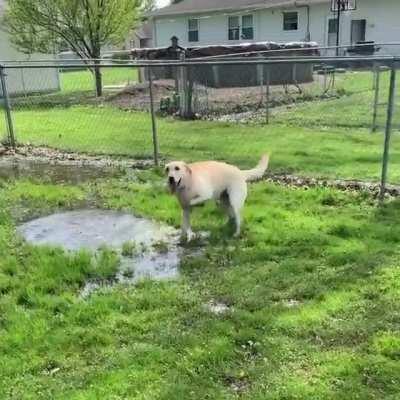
(186, 229)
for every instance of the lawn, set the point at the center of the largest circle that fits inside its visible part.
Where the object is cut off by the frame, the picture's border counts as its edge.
(312, 288)
(312, 285)
(322, 137)
(318, 151)
(74, 81)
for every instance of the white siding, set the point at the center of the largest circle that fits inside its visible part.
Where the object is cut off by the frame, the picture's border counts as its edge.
(271, 25)
(23, 80)
(383, 25)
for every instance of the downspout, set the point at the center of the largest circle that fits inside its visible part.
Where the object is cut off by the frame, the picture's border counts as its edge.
(307, 7)
(154, 44)
(308, 33)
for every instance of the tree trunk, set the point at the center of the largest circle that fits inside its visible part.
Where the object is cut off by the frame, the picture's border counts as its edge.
(98, 80)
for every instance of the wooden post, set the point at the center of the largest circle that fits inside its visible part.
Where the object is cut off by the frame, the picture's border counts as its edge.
(267, 92)
(182, 87)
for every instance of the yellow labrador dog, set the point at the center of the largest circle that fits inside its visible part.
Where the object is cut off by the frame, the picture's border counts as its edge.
(195, 183)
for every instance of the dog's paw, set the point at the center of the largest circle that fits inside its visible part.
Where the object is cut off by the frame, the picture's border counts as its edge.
(190, 236)
(187, 236)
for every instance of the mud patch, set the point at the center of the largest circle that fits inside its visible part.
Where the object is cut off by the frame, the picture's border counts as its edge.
(55, 173)
(93, 229)
(58, 166)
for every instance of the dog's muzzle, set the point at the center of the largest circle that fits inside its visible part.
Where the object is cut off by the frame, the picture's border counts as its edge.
(173, 185)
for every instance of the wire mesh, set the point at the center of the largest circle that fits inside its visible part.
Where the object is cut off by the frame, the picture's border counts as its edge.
(322, 119)
(66, 114)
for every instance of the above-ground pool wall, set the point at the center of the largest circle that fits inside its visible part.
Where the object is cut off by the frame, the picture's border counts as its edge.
(220, 76)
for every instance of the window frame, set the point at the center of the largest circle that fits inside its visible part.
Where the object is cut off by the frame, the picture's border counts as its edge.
(249, 27)
(191, 30)
(286, 26)
(237, 32)
(235, 29)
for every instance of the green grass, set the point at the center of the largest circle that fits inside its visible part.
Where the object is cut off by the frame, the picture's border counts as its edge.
(74, 81)
(311, 150)
(326, 138)
(312, 285)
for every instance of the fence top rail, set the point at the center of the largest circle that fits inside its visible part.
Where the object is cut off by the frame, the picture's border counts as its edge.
(222, 56)
(305, 49)
(286, 60)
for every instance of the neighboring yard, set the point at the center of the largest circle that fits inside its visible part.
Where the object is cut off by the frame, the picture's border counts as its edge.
(73, 81)
(310, 289)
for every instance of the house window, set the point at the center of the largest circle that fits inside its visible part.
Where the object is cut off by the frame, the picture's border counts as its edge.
(243, 31)
(332, 26)
(193, 25)
(290, 21)
(234, 28)
(247, 27)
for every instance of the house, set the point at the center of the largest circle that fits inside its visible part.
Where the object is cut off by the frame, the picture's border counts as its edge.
(142, 37)
(24, 81)
(208, 22)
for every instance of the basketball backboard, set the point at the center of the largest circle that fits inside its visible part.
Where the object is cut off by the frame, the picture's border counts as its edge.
(343, 5)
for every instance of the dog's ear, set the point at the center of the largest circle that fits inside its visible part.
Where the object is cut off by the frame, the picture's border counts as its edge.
(188, 170)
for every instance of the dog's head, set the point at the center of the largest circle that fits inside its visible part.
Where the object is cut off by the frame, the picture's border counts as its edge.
(177, 173)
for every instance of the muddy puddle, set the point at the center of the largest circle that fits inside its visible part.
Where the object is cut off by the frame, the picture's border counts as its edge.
(57, 173)
(91, 229)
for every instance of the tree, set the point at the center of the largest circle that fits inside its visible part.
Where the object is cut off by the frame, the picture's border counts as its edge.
(84, 25)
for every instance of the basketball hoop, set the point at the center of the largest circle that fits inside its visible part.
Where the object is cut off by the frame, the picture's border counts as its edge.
(343, 5)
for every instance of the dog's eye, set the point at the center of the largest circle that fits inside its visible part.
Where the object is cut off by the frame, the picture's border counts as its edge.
(167, 169)
(176, 168)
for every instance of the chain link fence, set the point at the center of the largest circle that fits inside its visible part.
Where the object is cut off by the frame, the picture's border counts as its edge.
(320, 117)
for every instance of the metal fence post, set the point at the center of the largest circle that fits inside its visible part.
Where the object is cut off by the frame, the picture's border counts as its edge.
(153, 118)
(267, 93)
(377, 78)
(388, 131)
(7, 108)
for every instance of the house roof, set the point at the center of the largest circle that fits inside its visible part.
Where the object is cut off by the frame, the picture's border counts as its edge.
(145, 31)
(201, 6)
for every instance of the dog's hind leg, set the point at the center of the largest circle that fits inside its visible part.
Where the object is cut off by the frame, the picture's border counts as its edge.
(225, 205)
(237, 197)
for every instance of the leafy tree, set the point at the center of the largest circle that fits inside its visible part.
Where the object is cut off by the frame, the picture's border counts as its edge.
(84, 25)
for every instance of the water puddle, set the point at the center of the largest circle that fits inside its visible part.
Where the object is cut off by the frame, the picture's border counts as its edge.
(57, 173)
(91, 229)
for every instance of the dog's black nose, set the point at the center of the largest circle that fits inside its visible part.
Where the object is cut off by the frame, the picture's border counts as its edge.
(171, 180)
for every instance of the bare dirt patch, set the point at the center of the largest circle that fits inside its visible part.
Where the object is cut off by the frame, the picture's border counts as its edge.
(219, 101)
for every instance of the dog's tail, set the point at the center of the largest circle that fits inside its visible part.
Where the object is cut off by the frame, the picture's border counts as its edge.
(257, 172)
